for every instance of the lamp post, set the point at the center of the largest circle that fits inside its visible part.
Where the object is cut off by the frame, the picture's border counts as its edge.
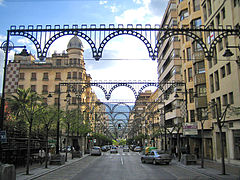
(6, 46)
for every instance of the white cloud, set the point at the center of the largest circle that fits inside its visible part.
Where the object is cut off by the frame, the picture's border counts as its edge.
(102, 2)
(113, 9)
(1, 2)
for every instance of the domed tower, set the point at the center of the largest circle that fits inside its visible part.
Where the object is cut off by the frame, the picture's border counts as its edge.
(75, 50)
(75, 47)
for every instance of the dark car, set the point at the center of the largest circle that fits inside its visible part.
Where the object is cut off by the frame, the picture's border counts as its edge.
(156, 157)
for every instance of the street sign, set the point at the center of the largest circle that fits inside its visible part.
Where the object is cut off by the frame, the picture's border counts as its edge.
(3, 136)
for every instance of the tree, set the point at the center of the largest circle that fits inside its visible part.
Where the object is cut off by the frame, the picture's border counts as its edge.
(27, 104)
(47, 117)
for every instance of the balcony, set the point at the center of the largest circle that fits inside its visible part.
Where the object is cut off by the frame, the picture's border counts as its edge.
(201, 101)
(199, 79)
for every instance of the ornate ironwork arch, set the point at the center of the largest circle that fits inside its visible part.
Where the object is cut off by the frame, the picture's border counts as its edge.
(70, 32)
(118, 85)
(30, 37)
(126, 32)
(96, 85)
(116, 105)
(219, 39)
(185, 32)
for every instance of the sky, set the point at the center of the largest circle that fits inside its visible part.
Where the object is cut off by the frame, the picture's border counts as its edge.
(60, 12)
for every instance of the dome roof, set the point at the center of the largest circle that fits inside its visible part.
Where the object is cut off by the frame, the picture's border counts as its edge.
(75, 42)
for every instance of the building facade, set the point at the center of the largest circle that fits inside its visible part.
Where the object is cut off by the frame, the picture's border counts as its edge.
(47, 77)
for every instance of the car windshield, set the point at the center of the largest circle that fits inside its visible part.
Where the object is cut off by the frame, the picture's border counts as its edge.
(160, 152)
(95, 148)
(114, 148)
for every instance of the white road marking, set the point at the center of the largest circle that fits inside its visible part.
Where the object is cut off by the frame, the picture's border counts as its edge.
(122, 160)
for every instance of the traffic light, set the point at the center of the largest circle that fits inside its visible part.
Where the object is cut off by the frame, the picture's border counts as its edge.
(119, 126)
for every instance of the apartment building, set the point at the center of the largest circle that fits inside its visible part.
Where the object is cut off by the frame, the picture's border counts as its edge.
(45, 77)
(223, 74)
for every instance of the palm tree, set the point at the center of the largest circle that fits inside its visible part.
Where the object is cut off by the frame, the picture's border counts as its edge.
(27, 104)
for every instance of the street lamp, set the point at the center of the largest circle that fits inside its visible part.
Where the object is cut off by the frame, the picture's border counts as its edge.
(6, 46)
(228, 52)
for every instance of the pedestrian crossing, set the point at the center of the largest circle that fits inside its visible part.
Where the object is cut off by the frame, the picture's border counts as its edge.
(121, 154)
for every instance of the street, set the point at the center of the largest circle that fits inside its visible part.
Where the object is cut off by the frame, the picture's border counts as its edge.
(120, 166)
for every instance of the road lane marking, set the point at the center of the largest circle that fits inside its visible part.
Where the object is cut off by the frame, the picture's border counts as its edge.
(122, 160)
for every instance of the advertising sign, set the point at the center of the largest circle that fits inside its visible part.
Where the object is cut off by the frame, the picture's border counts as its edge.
(190, 128)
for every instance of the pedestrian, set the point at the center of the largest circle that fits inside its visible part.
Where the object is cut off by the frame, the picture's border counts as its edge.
(41, 155)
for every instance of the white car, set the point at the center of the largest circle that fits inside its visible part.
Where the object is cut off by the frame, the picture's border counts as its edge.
(96, 151)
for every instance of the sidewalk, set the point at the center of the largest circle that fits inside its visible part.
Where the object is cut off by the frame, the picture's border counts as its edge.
(37, 170)
(214, 169)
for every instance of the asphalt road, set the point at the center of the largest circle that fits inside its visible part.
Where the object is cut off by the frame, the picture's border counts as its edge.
(121, 166)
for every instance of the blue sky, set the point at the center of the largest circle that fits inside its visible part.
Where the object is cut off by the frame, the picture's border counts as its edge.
(44, 12)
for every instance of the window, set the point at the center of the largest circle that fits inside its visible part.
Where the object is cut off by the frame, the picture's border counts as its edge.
(79, 75)
(205, 12)
(45, 101)
(197, 22)
(58, 76)
(231, 101)
(189, 54)
(190, 77)
(220, 44)
(183, 14)
(213, 109)
(218, 101)
(196, 5)
(21, 86)
(199, 67)
(45, 76)
(33, 88)
(58, 62)
(191, 99)
(225, 100)
(223, 74)
(192, 116)
(235, 3)
(216, 76)
(45, 89)
(74, 75)
(21, 76)
(209, 7)
(201, 90)
(223, 13)
(57, 88)
(185, 76)
(74, 100)
(211, 83)
(56, 101)
(69, 75)
(228, 67)
(33, 76)
(218, 20)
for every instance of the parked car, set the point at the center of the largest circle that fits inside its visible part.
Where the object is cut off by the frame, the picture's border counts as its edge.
(156, 157)
(137, 149)
(125, 149)
(113, 149)
(96, 150)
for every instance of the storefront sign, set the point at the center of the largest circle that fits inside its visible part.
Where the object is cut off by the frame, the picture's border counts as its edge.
(190, 129)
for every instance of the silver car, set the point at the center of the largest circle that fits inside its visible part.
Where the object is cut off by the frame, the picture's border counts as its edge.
(96, 151)
(156, 157)
(114, 149)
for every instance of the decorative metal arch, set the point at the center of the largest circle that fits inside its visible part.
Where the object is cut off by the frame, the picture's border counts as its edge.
(126, 32)
(118, 85)
(219, 38)
(185, 32)
(158, 85)
(30, 37)
(69, 32)
(116, 105)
